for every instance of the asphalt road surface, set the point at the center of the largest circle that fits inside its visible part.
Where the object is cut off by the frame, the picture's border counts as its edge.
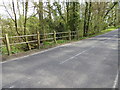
(90, 63)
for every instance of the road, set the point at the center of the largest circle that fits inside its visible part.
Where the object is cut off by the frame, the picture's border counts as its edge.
(89, 63)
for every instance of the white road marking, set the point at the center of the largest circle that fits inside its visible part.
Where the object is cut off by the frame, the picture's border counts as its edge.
(115, 35)
(39, 82)
(29, 78)
(11, 86)
(75, 55)
(116, 81)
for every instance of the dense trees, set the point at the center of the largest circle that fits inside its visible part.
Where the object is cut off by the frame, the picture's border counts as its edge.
(61, 16)
(86, 18)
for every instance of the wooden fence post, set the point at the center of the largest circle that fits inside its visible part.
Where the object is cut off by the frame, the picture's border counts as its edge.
(8, 44)
(54, 36)
(28, 45)
(69, 35)
(38, 39)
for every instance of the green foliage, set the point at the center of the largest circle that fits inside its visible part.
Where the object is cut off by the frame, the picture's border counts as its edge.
(33, 25)
(109, 29)
(48, 43)
(62, 41)
(14, 50)
(3, 50)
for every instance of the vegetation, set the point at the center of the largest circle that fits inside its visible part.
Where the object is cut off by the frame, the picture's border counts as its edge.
(26, 18)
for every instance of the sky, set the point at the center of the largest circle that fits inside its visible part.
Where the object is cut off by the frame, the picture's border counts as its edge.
(4, 13)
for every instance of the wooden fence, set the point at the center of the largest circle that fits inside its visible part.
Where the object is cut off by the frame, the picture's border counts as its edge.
(54, 38)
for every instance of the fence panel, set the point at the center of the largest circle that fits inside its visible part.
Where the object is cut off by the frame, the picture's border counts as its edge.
(51, 36)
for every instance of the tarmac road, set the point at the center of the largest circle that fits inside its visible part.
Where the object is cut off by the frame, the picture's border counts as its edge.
(89, 63)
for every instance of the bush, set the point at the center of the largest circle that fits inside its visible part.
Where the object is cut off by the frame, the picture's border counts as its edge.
(14, 50)
(3, 50)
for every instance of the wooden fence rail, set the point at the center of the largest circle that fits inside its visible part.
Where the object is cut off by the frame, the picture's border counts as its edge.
(8, 45)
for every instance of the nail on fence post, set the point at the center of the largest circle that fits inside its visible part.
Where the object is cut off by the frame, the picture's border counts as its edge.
(8, 44)
(69, 35)
(38, 39)
(54, 36)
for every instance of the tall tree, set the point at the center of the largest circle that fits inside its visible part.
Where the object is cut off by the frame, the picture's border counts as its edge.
(85, 19)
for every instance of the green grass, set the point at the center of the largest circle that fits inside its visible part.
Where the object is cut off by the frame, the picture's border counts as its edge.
(48, 44)
(13, 50)
(103, 31)
(3, 50)
(108, 30)
(61, 41)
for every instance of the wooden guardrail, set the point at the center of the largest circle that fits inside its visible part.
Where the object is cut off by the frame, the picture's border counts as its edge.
(38, 40)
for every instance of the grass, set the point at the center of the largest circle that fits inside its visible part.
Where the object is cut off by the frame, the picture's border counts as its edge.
(49, 44)
(13, 50)
(108, 30)
(103, 32)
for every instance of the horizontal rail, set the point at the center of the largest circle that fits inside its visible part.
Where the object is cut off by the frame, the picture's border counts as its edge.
(61, 32)
(22, 36)
(32, 41)
(47, 34)
(56, 33)
(73, 31)
(18, 43)
(46, 39)
(2, 37)
(24, 42)
(2, 45)
(73, 35)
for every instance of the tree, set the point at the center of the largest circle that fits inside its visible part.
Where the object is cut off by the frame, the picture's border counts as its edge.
(85, 19)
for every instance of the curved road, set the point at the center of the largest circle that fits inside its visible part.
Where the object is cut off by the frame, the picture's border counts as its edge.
(90, 63)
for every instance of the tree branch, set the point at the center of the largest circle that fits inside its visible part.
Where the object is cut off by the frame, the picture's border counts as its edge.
(8, 12)
(115, 3)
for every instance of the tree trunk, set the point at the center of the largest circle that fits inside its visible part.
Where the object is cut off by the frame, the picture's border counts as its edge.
(85, 19)
(15, 18)
(40, 14)
(89, 16)
(25, 22)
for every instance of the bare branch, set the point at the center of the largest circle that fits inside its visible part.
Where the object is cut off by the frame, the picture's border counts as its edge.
(8, 11)
(115, 3)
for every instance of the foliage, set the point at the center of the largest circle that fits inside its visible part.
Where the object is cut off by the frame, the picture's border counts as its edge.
(13, 50)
